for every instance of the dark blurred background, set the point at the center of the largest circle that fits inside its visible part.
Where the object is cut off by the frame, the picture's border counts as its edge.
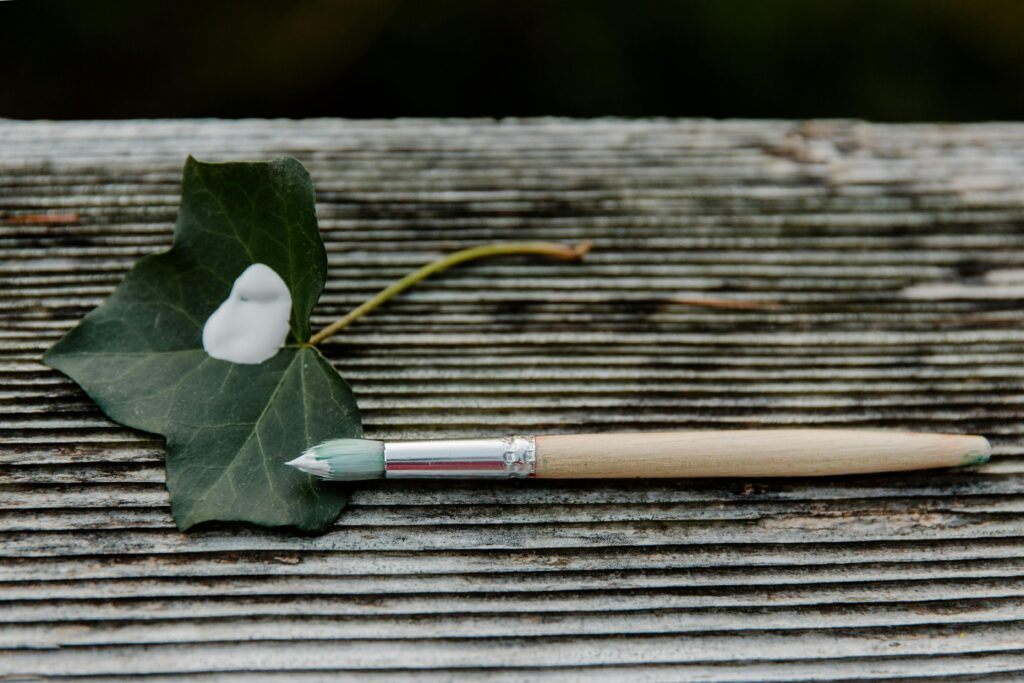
(892, 60)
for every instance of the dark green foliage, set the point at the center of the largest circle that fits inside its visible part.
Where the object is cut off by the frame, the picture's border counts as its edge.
(229, 427)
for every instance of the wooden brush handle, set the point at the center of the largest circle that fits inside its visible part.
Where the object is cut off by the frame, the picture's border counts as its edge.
(753, 453)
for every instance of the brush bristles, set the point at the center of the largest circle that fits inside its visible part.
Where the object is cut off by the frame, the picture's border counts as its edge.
(343, 460)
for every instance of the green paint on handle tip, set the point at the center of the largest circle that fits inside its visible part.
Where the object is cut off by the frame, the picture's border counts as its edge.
(975, 459)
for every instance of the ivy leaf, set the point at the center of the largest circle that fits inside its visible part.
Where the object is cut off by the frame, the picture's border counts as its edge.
(229, 427)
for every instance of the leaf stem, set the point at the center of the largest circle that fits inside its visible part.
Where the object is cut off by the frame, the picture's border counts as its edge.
(551, 250)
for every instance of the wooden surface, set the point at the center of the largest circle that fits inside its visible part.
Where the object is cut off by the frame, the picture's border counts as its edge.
(895, 255)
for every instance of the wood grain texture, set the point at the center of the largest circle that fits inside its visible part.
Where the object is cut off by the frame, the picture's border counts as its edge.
(887, 265)
(751, 453)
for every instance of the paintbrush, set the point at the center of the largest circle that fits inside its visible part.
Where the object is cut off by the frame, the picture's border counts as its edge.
(738, 453)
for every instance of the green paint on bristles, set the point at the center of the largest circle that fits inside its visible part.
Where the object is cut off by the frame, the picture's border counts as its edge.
(351, 459)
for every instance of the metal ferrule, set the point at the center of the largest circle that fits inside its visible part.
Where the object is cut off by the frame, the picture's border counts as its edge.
(510, 457)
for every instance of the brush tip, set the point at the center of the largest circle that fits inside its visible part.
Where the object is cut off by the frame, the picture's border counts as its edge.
(308, 463)
(343, 460)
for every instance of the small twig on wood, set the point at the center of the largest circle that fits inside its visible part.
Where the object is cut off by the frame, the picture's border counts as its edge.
(42, 219)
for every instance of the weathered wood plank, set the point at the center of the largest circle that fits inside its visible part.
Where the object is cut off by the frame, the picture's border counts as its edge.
(893, 257)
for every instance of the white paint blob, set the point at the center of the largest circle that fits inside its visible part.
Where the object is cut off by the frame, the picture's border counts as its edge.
(252, 323)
